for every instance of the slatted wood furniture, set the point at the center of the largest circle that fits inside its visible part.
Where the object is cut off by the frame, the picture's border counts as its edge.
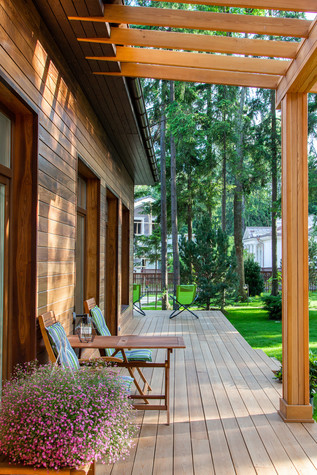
(123, 343)
(48, 319)
(128, 356)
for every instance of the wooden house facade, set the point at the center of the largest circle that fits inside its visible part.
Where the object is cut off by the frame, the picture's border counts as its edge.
(71, 150)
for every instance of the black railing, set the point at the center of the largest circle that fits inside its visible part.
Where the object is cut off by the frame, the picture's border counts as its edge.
(151, 286)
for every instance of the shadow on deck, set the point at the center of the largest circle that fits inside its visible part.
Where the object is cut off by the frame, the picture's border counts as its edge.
(224, 404)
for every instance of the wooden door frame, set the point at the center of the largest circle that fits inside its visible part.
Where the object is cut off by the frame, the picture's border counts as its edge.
(92, 231)
(22, 252)
(112, 262)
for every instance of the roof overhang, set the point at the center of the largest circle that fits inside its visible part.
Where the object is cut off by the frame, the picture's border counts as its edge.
(118, 102)
(178, 56)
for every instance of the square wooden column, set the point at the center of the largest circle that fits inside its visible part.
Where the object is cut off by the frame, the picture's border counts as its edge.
(295, 405)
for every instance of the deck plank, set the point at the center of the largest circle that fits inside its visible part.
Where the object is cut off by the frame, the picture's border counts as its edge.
(224, 403)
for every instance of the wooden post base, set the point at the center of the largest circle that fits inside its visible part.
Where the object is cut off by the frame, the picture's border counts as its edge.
(295, 413)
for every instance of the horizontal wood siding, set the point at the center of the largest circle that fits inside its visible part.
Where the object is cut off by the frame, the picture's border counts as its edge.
(68, 128)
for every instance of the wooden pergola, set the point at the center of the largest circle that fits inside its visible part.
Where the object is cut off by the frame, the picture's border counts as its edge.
(290, 68)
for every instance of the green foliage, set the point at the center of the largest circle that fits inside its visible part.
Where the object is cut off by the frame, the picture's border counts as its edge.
(253, 277)
(312, 374)
(312, 260)
(273, 305)
(209, 262)
(148, 247)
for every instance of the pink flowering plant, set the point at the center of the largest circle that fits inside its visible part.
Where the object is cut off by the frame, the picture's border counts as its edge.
(54, 417)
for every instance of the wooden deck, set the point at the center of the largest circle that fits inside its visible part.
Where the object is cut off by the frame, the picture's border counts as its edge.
(223, 408)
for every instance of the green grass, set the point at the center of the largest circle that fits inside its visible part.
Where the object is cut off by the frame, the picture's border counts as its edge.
(252, 322)
(257, 329)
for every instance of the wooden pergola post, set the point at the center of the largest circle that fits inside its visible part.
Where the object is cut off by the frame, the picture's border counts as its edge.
(295, 404)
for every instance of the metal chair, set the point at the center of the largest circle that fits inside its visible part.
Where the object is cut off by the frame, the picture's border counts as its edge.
(137, 298)
(185, 297)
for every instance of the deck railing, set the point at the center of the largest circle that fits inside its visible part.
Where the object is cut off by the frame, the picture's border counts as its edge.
(151, 285)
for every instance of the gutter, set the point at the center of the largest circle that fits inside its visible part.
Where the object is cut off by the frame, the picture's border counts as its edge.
(143, 122)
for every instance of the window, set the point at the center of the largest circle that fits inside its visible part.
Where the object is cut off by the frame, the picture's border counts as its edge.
(112, 271)
(5, 161)
(137, 226)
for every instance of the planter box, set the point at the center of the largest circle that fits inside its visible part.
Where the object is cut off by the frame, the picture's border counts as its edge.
(7, 468)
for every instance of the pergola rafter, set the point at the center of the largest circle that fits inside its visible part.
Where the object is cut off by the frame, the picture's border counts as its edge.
(196, 20)
(282, 5)
(229, 78)
(198, 42)
(194, 60)
(292, 80)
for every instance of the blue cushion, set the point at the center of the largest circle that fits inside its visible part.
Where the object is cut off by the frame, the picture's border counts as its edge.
(61, 346)
(139, 355)
(126, 382)
(102, 329)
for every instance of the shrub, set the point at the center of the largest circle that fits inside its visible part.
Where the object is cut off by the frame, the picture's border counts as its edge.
(253, 277)
(273, 305)
(53, 417)
(312, 374)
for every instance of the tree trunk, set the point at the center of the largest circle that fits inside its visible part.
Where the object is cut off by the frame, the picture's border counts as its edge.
(176, 279)
(238, 202)
(274, 196)
(224, 185)
(224, 171)
(164, 274)
(189, 209)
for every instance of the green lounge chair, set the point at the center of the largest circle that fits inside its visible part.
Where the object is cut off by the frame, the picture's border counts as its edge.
(185, 297)
(137, 298)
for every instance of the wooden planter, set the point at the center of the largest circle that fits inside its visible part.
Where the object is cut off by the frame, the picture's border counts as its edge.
(7, 468)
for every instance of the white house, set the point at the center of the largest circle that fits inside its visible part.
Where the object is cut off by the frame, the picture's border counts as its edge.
(144, 224)
(257, 241)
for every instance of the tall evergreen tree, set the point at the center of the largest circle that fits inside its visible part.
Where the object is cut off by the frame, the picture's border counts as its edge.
(164, 270)
(176, 268)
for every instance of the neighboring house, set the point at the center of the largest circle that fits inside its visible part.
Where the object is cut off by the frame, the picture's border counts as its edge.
(144, 223)
(72, 147)
(257, 241)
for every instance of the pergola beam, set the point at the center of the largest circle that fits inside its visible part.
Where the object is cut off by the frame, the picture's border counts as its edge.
(196, 20)
(196, 60)
(195, 75)
(302, 74)
(196, 42)
(283, 5)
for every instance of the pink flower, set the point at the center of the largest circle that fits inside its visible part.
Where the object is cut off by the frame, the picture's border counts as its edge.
(55, 418)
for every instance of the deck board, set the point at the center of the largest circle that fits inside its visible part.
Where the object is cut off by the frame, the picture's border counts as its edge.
(224, 404)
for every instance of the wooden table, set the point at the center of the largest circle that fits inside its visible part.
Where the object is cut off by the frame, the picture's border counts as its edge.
(128, 342)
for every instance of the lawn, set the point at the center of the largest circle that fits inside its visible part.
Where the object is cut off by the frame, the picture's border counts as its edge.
(252, 322)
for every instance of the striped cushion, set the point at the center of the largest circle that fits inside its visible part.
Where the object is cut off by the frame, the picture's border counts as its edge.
(139, 355)
(61, 346)
(102, 329)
